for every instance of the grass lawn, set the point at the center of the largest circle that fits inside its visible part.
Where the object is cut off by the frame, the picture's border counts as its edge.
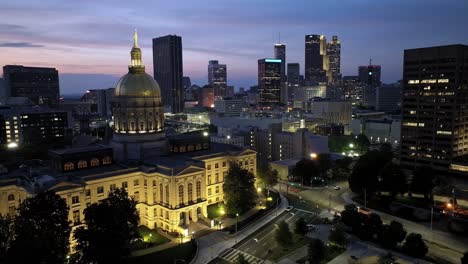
(279, 251)
(185, 252)
(150, 237)
(332, 252)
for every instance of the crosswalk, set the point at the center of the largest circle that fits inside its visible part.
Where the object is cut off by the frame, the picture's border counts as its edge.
(231, 255)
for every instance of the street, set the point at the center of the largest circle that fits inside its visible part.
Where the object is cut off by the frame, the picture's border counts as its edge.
(441, 244)
(258, 245)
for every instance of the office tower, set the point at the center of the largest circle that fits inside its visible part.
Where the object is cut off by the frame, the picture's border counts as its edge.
(353, 89)
(370, 74)
(230, 106)
(41, 85)
(269, 81)
(435, 99)
(293, 78)
(280, 54)
(186, 83)
(99, 101)
(334, 60)
(217, 77)
(167, 66)
(316, 60)
(388, 97)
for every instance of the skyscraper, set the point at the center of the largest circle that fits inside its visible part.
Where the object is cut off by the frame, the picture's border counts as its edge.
(167, 67)
(434, 108)
(269, 81)
(334, 60)
(41, 85)
(294, 79)
(315, 50)
(217, 77)
(370, 74)
(280, 54)
(186, 83)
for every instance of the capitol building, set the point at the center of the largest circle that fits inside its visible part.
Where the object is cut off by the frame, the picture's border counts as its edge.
(172, 179)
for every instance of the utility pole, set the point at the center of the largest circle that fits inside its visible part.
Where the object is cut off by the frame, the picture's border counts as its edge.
(365, 198)
(453, 202)
(237, 220)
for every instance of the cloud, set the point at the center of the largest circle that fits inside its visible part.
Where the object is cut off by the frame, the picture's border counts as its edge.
(20, 45)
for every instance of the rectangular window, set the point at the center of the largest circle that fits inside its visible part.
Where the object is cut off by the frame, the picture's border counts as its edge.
(209, 191)
(217, 189)
(136, 182)
(208, 167)
(75, 199)
(217, 177)
(124, 185)
(216, 165)
(136, 196)
(113, 187)
(100, 190)
(154, 183)
(224, 164)
(88, 192)
(145, 182)
(76, 217)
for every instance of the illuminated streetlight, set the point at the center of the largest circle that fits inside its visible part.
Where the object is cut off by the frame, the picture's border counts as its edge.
(205, 133)
(259, 189)
(313, 155)
(351, 145)
(228, 137)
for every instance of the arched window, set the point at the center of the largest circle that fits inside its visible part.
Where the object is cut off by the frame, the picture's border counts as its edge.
(198, 190)
(94, 162)
(189, 192)
(106, 160)
(82, 164)
(11, 197)
(181, 194)
(68, 166)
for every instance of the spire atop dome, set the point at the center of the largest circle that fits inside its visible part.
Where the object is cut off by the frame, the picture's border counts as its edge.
(136, 65)
(135, 38)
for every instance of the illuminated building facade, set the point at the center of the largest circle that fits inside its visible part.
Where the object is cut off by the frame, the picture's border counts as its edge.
(334, 60)
(434, 108)
(138, 113)
(316, 62)
(269, 81)
(294, 79)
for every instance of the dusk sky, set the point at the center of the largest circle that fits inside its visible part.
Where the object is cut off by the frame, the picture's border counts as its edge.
(89, 41)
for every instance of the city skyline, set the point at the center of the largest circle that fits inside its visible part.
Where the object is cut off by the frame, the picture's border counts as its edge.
(88, 46)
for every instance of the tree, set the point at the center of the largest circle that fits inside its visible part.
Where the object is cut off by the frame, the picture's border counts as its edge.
(362, 143)
(373, 225)
(304, 170)
(316, 250)
(41, 228)
(300, 227)
(239, 190)
(464, 259)
(366, 170)
(337, 235)
(423, 181)
(283, 235)
(241, 259)
(414, 246)
(6, 235)
(393, 179)
(350, 215)
(267, 176)
(392, 235)
(111, 225)
(323, 162)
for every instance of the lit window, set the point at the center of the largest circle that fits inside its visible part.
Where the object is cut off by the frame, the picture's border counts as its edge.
(68, 166)
(82, 164)
(11, 197)
(100, 190)
(94, 162)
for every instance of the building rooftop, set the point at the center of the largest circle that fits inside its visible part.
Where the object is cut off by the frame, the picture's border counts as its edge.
(75, 150)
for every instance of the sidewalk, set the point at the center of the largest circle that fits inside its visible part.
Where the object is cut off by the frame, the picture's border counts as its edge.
(213, 244)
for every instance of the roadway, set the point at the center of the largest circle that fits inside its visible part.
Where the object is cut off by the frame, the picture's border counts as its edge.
(258, 245)
(442, 245)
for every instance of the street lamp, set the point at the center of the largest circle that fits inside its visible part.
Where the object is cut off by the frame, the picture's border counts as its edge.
(237, 220)
(351, 145)
(313, 155)
(12, 145)
(205, 133)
